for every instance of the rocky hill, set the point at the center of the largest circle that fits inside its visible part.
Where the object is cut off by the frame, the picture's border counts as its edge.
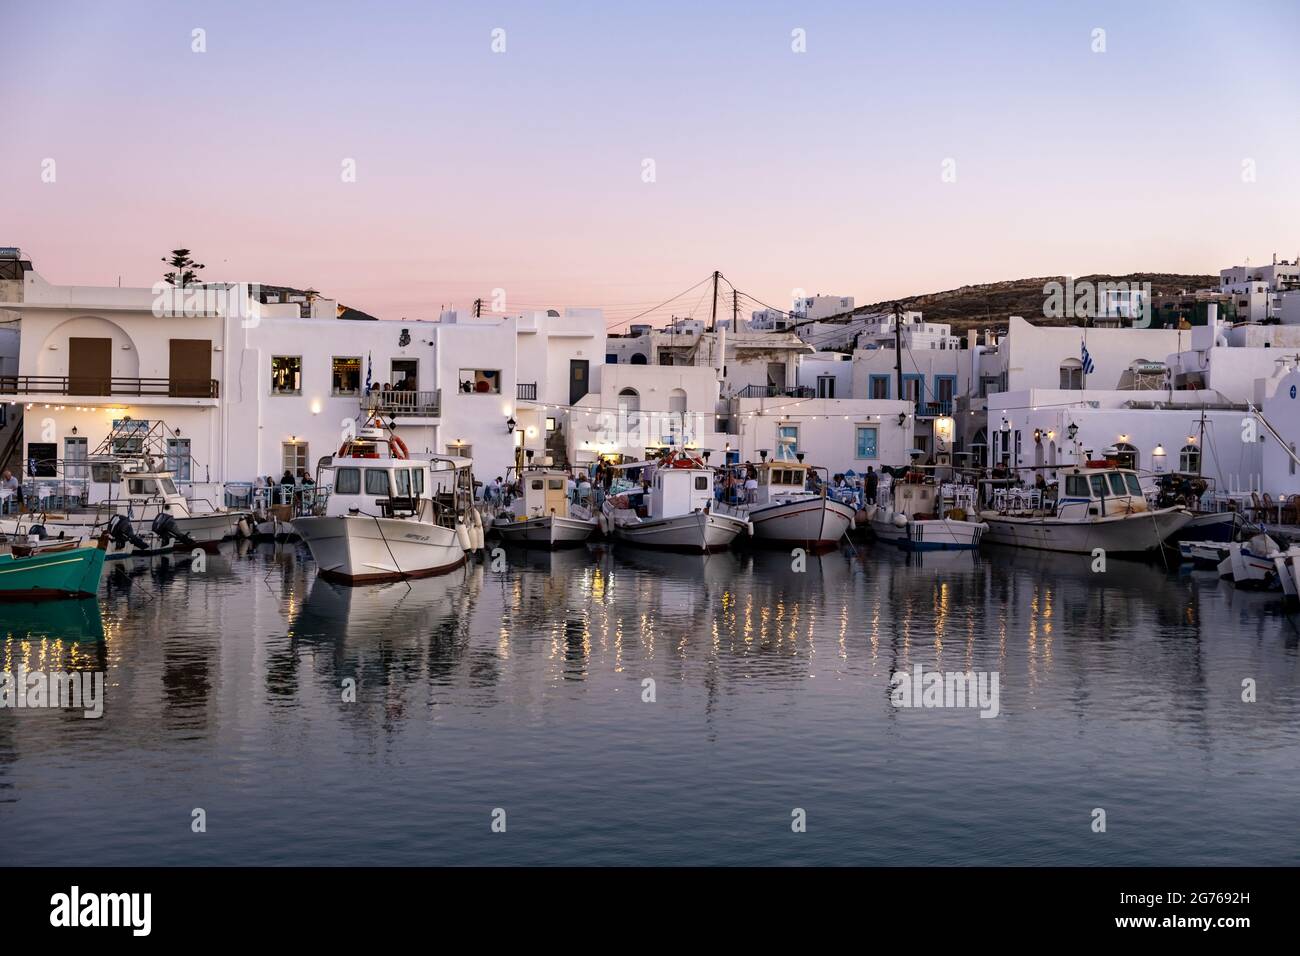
(988, 305)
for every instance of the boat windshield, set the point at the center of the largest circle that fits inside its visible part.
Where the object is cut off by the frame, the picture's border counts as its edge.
(1133, 487)
(1117, 484)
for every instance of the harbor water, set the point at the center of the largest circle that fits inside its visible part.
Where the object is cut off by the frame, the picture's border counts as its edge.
(607, 706)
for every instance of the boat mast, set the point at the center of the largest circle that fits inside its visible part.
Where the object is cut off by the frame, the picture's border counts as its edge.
(1200, 446)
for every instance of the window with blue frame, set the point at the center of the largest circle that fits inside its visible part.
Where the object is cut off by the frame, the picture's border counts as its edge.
(867, 435)
(787, 442)
(945, 390)
(878, 387)
(914, 389)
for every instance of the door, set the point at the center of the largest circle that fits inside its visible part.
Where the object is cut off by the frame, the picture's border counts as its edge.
(189, 372)
(90, 366)
(578, 369)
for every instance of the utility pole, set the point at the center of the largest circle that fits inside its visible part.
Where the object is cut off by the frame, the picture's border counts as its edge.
(735, 310)
(478, 308)
(713, 320)
(898, 347)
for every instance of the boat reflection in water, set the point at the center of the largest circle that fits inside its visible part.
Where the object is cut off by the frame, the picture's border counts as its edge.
(72, 621)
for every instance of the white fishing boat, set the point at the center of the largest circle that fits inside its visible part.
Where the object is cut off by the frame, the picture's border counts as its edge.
(923, 514)
(379, 515)
(542, 516)
(787, 512)
(1102, 507)
(1249, 564)
(1287, 565)
(1203, 554)
(678, 512)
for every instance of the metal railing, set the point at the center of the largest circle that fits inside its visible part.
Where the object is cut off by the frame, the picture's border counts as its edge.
(526, 391)
(94, 385)
(396, 402)
(777, 391)
(933, 409)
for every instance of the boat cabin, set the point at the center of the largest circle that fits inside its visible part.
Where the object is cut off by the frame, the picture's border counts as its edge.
(543, 494)
(430, 488)
(680, 490)
(1097, 490)
(778, 480)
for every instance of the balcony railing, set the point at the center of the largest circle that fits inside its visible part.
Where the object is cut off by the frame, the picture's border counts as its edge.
(526, 391)
(94, 385)
(777, 391)
(934, 409)
(399, 403)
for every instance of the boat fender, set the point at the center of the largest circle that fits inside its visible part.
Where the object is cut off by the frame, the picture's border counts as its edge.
(462, 535)
(900, 521)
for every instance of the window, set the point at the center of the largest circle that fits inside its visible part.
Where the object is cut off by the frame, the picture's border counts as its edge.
(1076, 486)
(1134, 488)
(293, 457)
(479, 381)
(867, 442)
(286, 374)
(377, 482)
(74, 450)
(913, 388)
(629, 399)
(1098, 485)
(128, 436)
(1117, 483)
(1126, 455)
(178, 458)
(1189, 460)
(403, 481)
(945, 386)
(1072, 374)
(405, 375)
(701, 482)
(345, 375)
(347, 481)
(42, 459)
(825, 386)
(787, 442)
(611, 358)
(879, 387)
(460, 450)
(417, 480)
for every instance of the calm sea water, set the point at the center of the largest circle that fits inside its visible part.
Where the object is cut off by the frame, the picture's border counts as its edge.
(522, 689)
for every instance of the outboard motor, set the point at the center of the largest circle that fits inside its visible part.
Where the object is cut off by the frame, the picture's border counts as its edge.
(38, 532)
(167, 530)
(121, 533)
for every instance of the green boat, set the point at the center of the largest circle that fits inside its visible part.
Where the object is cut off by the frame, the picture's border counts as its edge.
(55, 572)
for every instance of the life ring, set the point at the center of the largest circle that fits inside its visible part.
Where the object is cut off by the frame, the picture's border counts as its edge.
(398, 446)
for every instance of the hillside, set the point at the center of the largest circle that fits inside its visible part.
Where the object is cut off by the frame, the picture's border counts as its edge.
(988, 305)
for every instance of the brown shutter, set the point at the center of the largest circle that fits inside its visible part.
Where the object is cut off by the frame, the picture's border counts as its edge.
(90, 366)
(190, 369)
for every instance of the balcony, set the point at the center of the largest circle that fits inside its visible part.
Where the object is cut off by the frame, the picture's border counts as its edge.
(108, 387)
(934, 409)
(395, 403)
(526, 391)
(777, 391)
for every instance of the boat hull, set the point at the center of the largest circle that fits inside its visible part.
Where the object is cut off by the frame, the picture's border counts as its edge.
(1137, 533)
(358, 549)
(698, 532)
(551, 531)
(938, 534)
(815, 522)
(50, 574)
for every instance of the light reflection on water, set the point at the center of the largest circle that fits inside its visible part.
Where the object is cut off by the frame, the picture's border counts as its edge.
(523, 689)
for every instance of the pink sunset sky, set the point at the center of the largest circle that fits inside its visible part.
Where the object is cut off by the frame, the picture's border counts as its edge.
(1173, 150)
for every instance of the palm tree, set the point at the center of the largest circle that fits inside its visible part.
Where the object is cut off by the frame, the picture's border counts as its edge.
(185, 271)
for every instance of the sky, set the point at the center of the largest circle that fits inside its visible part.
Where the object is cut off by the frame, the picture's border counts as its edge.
(614, 154)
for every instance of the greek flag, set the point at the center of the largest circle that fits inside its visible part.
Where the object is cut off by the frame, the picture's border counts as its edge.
(1088, 367)
(367, 373)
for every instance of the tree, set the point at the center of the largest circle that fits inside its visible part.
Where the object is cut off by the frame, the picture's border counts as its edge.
(185, 271)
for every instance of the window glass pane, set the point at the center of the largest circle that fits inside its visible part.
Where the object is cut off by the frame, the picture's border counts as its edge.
(701, 483)
(866, 443)
(377, 482)
(403, 477)
(347, 481)
(1134, 488)
(417, 480)
(286, 373)
(1076, 486)
(1098, 485)
(346, 375)
(1117, 484)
